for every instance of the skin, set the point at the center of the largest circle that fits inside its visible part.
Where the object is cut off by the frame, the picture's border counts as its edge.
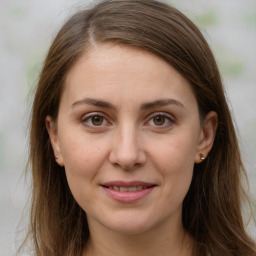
(130, 140)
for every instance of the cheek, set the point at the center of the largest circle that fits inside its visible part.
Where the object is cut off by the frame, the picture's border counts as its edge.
(176, 172)
(176, 152)
(83, 159)
(174, 160)
(81, 152)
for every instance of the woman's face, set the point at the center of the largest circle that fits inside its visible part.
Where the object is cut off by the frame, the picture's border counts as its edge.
(128, 133)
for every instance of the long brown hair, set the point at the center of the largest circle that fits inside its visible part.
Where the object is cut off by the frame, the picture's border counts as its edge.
(212, 206)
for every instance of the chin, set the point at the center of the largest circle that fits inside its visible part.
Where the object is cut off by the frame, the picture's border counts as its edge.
(128, 229)
(129, 224)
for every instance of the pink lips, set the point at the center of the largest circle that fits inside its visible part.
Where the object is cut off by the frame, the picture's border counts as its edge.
(127, 192)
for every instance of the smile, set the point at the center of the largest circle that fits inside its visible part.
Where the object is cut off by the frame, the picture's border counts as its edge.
(128, 189)
(128, 192)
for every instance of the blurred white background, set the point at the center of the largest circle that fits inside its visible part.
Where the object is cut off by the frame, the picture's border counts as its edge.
(26, 30)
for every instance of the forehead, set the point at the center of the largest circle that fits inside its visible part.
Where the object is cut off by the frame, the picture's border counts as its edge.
(127, 74)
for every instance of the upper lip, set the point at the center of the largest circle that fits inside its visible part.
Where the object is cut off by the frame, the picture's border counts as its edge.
(120, 183)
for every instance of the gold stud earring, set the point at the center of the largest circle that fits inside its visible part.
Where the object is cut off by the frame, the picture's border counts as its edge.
(202, 157)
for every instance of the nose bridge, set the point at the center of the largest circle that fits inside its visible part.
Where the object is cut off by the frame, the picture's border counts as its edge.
(126, 151)
(128, 139)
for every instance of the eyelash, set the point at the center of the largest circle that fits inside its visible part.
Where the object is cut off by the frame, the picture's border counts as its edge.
(87, 120)
(167, 118)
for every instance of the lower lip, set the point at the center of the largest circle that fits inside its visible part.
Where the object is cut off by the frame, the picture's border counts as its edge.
(128, 197)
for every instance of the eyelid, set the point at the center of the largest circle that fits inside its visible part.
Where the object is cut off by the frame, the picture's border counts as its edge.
(160, 113)
(87, 116)
(168, 116)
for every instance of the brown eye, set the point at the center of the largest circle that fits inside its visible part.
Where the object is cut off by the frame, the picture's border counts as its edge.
(97, 120)
(159, 120)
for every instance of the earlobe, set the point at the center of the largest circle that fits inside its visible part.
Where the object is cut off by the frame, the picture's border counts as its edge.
(207, 136)
(51, 126)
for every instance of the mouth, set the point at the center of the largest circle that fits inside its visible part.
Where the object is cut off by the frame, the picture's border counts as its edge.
(128, 192)
(128, 189)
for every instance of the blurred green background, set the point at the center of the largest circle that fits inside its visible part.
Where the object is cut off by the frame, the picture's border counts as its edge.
(26, 30)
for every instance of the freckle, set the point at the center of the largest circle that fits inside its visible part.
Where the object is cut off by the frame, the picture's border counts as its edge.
(87, 159)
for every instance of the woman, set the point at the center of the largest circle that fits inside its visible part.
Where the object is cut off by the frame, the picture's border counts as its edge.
(133, 149)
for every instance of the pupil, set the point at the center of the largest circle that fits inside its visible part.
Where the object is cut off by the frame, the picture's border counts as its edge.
(97, 120)
(159, 120)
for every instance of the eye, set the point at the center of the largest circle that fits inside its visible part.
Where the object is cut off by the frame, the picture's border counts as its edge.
(97, 120)
(94, 120)
(161, 120)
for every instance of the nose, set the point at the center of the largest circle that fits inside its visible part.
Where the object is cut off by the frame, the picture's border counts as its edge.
(126, 150)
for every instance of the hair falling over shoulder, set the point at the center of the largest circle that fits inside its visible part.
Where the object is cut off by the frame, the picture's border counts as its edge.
(212, 209)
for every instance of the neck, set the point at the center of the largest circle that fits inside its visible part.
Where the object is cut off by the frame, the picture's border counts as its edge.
(175, 242)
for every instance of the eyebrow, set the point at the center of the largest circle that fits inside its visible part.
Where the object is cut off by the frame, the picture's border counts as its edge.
(144, 106)
(94, 102)
(160, 103)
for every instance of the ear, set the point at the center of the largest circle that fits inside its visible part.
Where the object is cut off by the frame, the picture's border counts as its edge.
(207, 136)
(51, 126)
